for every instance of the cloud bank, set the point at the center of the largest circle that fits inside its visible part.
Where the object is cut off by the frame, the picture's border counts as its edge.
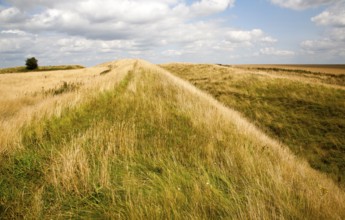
(301, 4)
(332, 43)
(155, 29)
(90, 31)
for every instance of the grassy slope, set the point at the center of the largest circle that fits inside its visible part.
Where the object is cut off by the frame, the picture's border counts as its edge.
(308, 117)
(22, 69)
(334, 74)
(155, 147)
(33, 95)
(331, 69)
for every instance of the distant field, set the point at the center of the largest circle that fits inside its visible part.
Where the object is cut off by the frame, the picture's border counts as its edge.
(329, 69)
(22, 69)
(329, 74)
(305, 111)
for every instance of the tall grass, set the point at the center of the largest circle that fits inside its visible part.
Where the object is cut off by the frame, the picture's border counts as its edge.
(307, 116)
(155, 147)
(31, 96)
(326, 75)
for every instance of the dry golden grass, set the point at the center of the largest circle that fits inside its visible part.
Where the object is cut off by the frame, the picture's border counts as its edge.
(23, 96)
(326, 75)
(304, 112)
(156, 147)
(326, 69)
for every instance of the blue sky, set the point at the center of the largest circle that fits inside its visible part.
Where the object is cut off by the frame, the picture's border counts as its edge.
(89, 32)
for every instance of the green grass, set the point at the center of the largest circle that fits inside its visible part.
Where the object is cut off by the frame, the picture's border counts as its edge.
(308, 118)
(151, 149)
(22, 69)
(331, 78)
(338, 79)
(23, 173)
(325, 74)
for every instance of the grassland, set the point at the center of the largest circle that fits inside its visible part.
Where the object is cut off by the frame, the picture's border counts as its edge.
(144, 144)
(326, 74)
(22, 69)
(302, 68)
(303, 110)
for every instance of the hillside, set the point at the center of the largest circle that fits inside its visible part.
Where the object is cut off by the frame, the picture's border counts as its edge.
(128, 140)
(315, 69)
(303, 109)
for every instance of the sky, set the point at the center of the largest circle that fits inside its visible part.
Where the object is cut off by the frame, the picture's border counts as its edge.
(89, 32)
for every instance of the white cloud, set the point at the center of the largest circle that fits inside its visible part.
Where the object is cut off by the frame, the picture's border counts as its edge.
(15, 41)
(302, 4)
(248, 37)
(276, 52)
(206, 7)
(118, 16)
(30, 3)
(172, 53)
(15, 32)
(333, 16)
(150, 22)
(326, 50)
(54, 49)
(337, 34)
(84, 30)
(268, 39)
(127, 11)
(243, 36)
(327, 47)
(331, 45)
(319, 45)
(11, 14)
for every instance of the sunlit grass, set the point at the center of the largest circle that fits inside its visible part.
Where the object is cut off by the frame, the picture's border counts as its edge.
(155, 147)
(308, 117)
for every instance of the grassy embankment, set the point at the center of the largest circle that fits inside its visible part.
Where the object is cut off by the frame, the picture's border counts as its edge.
(304, 111)
(22, 69)
(155, 147)
(330, 74)
(297, 68)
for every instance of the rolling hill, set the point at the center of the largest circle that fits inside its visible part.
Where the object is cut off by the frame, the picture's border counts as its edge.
(303, 109)
(127, 139)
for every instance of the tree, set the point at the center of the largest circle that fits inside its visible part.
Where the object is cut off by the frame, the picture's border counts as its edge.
(31, 63)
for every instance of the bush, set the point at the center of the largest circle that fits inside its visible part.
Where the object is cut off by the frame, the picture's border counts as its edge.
(31, 63)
